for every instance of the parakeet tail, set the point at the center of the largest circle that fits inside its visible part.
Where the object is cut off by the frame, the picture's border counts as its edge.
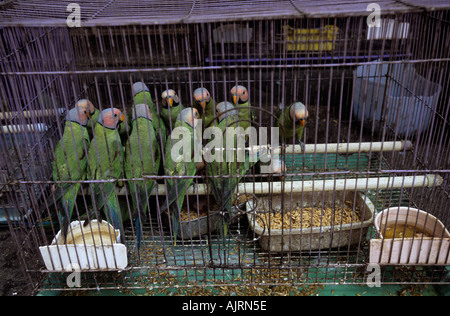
(138, 236)
(175, 224)
(68, 203)
(66, 217)
(112, 213)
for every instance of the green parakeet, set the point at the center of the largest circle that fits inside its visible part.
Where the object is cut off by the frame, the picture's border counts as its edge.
(106, 157)
(241, 98)
(142, 156)
(181, 164)
(205, 105)
(172, 107)
(293, 119)
(93, 112)
(70, 162)
(233, 163)
(142, 95)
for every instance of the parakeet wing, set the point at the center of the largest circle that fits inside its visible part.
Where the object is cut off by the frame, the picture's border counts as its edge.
(108, 170)
(177, 187)
(138, 161)
(70, 165)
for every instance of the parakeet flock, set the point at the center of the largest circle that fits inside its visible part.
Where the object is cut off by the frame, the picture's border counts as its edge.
(93, 148)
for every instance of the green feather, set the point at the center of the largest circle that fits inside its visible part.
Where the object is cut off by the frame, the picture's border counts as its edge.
(170, 118)
(70, 165)
(139, 161)
(158, 123)
(176, 188)
(246, 115)
(92, 122)
(208, 115)
(105, 163)
(179, 168)
(285, 121)
(223, 188)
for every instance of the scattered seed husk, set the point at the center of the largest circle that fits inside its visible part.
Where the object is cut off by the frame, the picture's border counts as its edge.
(243, 198)
(192, 214)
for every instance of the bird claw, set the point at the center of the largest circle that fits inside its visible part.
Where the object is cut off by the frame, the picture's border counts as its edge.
(302, 145)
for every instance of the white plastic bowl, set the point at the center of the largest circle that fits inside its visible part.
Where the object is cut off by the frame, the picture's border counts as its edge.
(64, 257)
(410, 216)
(410, 251)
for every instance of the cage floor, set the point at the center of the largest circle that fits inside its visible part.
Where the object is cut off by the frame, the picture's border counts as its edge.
(280, 290)
(237, 265)
(225, 266)
(235, 282)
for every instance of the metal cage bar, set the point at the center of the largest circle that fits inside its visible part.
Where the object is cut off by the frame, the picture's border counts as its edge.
(377, 137)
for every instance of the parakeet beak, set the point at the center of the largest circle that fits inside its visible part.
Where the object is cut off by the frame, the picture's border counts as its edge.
(235, 99)
(300, 118)
(170, 102)
(88, 115)
(203, 104)
(122, 117)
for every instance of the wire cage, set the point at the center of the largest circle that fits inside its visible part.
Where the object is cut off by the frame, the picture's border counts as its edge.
(374, 150)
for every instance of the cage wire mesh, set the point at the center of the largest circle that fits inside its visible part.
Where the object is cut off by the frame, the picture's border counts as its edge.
(376, 138)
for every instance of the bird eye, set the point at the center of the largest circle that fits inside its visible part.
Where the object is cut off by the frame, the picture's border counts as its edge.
(115, 115)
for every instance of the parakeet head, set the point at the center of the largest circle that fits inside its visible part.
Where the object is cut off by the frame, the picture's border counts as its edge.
(87, 105)
(202, 97)
(139, 87)
(170, 98)
(299, 113)
(239, 94)
(222, 109)
(111, 118)
(189, 116)
(78, 115)
(142, 110)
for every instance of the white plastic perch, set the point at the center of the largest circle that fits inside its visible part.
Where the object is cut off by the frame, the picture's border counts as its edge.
(32, 113)
(343, 148)
(361, 184)
(26, 128)
(349, 148)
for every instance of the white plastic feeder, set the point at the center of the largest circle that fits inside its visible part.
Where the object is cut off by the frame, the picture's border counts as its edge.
(90, 251)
